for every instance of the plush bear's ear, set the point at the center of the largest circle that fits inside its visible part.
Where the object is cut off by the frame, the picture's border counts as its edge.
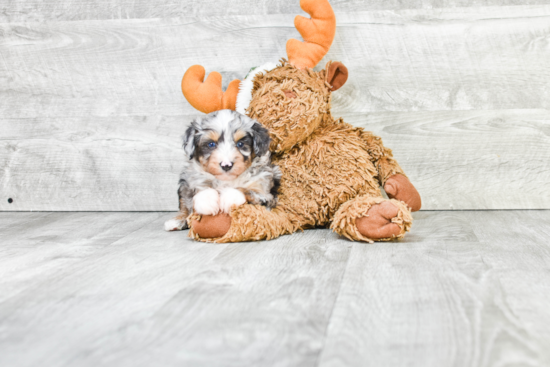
(337, 74)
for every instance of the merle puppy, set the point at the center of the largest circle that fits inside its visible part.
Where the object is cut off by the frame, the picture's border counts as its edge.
(227, 164)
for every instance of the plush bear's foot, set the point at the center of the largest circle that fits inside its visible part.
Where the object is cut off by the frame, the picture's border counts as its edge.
(377, 224)
(244, 223)
(211, 226)
(372, 219)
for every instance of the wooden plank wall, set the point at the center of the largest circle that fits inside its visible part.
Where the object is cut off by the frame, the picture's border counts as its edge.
(91, 111)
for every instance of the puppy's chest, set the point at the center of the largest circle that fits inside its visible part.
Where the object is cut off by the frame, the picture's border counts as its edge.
(333, 164)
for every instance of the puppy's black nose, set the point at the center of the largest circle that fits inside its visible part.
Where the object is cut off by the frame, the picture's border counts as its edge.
(226, 166)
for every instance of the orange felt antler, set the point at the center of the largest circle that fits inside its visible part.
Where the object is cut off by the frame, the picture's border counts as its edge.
(208, 96)
(317, 32)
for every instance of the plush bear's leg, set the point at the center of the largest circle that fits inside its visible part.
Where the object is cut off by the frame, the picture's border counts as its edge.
(372, 219)
(245, 223)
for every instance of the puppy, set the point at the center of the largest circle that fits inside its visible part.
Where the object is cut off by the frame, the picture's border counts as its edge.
(227, 164)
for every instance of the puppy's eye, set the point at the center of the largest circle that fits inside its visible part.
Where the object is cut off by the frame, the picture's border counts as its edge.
(240, 144)
(211, 144)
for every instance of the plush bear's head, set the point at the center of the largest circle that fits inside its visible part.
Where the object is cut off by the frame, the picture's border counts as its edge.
(292, 102)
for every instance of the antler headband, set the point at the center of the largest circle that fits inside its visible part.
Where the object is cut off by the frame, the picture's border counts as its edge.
(318, 34)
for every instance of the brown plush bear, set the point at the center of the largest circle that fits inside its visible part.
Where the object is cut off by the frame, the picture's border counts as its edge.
(331, 171)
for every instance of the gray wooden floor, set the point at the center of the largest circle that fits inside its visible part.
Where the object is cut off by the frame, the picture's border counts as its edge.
(468, 288)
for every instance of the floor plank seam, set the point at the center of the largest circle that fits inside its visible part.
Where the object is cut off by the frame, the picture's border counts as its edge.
(317, 363)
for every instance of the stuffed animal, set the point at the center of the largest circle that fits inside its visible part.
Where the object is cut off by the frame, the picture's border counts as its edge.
(331, 171)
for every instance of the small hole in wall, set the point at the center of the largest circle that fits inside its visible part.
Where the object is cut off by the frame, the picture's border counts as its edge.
(10, 200)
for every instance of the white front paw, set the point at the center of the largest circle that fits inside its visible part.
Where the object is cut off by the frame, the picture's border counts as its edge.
(175, 224)
(231, 197)
(207, 202)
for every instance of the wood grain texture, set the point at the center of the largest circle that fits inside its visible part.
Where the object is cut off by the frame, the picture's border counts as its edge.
(124, 163)
(154, 297)
(456, 159)
(460, 59)
(11, 222)
(92, 110)
(470, 159)
(464, 289)
(473, 294)
(47, 10)
(38, 245)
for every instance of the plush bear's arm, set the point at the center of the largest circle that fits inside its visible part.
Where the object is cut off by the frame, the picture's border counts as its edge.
(246, 223)
(399, 187)
(390, 174)
(381, 157)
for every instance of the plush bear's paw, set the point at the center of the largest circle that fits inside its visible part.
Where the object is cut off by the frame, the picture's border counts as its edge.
(400, 188)
(377, 224)
(229, 198)
(207, 202)
(212, 226)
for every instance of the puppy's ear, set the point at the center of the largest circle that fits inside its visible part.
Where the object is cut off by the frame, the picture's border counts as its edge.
(189, 139)
(260, 137)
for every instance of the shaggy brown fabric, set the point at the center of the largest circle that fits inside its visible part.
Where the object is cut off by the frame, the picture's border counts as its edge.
(331, 171)
(248, 223)
(297, 115)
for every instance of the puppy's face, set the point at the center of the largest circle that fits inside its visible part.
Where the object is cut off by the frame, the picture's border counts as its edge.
(225, 142)
(225, 154)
